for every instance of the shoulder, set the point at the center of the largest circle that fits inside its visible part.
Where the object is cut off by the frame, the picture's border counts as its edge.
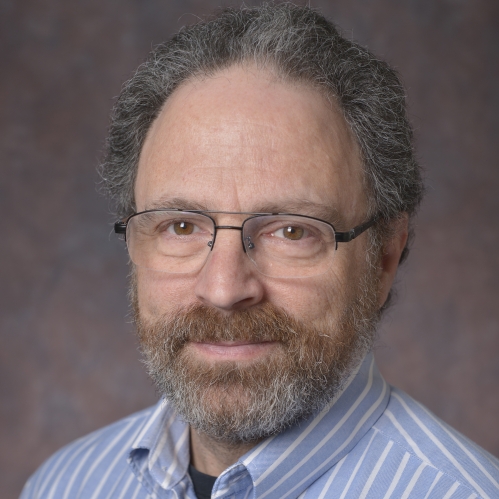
(419, 434)
(87, 459)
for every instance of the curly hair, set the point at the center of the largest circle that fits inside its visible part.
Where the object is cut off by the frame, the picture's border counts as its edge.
(297, 44)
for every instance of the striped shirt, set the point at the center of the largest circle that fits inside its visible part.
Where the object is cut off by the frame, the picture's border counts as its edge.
(373, 441)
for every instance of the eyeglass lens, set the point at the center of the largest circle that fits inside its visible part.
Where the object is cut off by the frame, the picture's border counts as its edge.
(279, 245)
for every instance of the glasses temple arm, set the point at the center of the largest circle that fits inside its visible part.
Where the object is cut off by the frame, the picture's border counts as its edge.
(120, 227)
(345, 237)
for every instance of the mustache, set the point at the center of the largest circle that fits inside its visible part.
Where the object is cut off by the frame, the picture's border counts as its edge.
(200, 323)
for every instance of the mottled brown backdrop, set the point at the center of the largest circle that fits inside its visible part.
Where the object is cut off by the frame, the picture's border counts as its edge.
(68, 358)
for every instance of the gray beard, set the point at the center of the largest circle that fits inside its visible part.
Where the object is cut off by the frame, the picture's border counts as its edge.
(235, 403)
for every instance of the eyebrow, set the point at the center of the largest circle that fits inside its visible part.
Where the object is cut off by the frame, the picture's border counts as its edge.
(292, 206)
(175, 203)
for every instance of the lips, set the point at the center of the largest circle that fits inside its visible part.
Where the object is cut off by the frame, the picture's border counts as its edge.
(233, 350)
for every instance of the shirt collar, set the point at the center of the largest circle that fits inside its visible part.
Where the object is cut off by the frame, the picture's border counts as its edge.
(281, 466)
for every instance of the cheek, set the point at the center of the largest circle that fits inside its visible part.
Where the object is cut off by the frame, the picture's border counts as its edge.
(331, 293)
(309, 300)
(159, 293)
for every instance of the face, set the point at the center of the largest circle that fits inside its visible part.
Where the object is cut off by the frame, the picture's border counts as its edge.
(244, 142)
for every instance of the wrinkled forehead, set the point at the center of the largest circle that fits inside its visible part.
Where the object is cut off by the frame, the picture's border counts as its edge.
(243, 138)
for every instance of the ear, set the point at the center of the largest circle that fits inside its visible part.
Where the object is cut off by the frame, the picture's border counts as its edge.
(390, 257)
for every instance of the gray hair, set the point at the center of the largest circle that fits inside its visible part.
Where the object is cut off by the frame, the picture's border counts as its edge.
(298, 44)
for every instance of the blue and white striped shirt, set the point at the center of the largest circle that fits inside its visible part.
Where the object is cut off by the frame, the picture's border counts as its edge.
(373, 441)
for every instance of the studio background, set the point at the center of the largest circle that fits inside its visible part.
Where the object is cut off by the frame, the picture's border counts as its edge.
(68, 356)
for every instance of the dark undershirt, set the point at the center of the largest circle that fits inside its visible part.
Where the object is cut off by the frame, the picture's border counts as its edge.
(203, 484)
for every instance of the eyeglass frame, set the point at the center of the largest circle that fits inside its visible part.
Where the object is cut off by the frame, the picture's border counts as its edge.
(120, 226)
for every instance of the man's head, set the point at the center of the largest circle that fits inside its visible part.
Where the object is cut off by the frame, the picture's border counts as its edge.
(262, 110)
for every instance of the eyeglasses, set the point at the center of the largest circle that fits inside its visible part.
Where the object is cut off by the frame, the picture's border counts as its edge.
(279, 244)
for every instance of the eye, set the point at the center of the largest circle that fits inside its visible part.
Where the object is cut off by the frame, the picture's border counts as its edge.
(182, 228)
(292, 232)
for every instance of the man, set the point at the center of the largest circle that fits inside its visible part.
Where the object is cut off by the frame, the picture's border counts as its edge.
(264, 176)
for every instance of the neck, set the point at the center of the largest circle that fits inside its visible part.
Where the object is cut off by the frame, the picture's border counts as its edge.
(212, 456)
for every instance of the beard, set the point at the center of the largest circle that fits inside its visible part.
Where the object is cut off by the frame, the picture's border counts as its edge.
(239, 402)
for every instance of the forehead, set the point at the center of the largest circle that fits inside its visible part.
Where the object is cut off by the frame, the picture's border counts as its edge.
(244, 141)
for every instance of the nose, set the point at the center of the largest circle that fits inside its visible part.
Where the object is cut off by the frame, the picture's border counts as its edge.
(228, 280)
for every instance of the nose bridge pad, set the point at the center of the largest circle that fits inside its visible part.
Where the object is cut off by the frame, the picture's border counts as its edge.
(212, 242)
(246, 239)
(248, 243)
